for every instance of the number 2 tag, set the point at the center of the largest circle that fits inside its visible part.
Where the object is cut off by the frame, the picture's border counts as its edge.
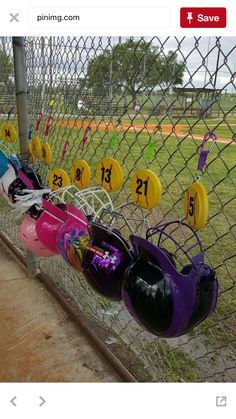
(58, 179)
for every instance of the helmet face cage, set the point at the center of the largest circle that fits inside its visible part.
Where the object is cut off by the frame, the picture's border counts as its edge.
(90, 201)
(182, 239)
(126, 219)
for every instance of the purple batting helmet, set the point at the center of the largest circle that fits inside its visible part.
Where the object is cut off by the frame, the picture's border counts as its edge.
(106, 258)
(167, 301)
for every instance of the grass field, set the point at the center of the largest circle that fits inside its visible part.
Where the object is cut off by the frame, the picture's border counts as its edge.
(175, 162)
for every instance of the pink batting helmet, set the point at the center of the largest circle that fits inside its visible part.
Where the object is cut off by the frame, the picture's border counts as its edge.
(28, 236)
(49, 223)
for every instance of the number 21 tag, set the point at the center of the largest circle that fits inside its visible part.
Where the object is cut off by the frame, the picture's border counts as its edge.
(146, 189)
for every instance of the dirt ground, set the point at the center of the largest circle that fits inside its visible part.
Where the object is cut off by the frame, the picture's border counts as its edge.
(38, 341)
(180, 130)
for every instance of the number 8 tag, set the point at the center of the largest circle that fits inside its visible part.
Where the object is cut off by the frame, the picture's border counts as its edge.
(81, 174)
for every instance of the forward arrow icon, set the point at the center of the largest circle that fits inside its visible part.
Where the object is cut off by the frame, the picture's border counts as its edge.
(42, 401)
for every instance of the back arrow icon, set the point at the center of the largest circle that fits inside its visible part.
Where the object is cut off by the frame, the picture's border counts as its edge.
(43, 401)
(12, 401)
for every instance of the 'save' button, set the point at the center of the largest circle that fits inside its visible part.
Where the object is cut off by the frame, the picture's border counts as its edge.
(203, 17)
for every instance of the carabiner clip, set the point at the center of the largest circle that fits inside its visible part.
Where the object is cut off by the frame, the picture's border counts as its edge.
(204, 153)
(48, 125)
(9, 113)
(38, 121)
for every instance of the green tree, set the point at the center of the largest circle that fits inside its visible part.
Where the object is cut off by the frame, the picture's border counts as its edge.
(6, 72)
(6, 81)
(132, 68)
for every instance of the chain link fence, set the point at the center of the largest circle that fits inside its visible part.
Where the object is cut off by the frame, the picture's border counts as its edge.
(166, 91)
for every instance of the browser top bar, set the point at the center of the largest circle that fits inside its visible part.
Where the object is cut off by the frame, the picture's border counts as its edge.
(123, 18)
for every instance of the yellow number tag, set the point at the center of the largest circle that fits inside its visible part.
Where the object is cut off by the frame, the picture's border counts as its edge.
(58, 179)
(8, 133)
(146, 189)
(31, 157)
(109, 174)
(196, 206)
(36, 147)
(81, 174)
(46, 153)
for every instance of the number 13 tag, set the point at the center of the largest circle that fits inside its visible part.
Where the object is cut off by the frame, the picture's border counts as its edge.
(58, 179)
(109, 174)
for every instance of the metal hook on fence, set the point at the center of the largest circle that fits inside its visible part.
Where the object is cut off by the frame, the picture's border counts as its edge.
(210, 135)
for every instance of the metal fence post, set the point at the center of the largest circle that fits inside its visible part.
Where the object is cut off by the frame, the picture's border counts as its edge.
(22, 115)
(21, 91)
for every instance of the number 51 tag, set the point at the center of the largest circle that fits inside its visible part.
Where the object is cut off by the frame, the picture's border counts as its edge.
(58, 179)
